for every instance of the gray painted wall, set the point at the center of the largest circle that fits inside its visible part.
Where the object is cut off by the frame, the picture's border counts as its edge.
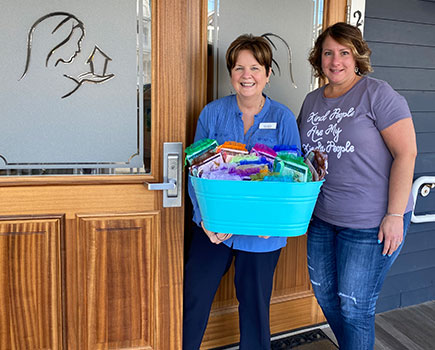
(401, 34)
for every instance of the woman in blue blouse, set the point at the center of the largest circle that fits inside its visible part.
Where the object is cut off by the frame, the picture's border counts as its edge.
(248, 117)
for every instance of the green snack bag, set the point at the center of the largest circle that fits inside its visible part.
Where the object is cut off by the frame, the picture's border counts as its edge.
(291, 165)
(198, 148)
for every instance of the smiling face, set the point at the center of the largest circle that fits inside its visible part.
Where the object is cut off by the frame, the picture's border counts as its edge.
(338, 62)
(248, 77)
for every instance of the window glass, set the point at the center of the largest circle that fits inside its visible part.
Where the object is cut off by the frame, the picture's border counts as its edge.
(76, 98)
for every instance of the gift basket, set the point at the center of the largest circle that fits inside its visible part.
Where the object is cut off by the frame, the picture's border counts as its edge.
(264, 192)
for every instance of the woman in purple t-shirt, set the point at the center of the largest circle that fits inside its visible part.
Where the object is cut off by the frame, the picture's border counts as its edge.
(364, 207)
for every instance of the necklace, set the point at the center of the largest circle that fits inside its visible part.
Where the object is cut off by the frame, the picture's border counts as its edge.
(261, 103)
(263, 100)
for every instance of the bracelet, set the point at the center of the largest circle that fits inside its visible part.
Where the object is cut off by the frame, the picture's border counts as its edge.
(398, 215)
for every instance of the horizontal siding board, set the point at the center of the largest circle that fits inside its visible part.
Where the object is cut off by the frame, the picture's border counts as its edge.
(417, 296)
(406, 10)
(413, 297)
(425, 142)
(420, 101)
(415, 261)
(406, 78)
(424, 122)
(422, 227)
(387, 303)
(425, 164)
(406, 282)
(386, 31)
(418, 241)
(401, 35)
(398, 55)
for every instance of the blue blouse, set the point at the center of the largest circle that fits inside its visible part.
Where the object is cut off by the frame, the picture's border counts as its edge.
(274, 125)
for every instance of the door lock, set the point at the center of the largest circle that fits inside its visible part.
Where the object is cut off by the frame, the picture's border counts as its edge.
(172, 172)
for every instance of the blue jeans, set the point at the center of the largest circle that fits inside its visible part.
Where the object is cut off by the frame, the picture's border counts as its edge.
(347, 271)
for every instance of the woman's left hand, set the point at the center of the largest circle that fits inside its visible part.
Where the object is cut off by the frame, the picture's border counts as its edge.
(391, 233)
(215, 237)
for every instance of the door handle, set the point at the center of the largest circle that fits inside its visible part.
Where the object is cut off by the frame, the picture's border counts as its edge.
(164, 186)
(172, 171)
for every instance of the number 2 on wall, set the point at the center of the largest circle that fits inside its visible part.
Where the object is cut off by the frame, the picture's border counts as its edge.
(357, 14)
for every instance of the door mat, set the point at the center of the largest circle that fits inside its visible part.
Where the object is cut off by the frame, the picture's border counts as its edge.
(311, 340)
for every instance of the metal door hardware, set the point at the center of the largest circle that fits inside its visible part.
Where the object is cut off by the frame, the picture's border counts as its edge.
(172, 172)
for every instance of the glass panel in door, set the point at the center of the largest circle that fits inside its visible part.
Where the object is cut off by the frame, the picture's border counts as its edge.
(76, 91)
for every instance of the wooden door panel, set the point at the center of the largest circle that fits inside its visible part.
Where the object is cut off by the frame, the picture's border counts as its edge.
(30, 283)
(76, 198)
(118, 258)
(291, 275)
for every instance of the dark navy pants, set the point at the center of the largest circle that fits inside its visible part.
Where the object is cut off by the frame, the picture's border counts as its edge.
(205, 266)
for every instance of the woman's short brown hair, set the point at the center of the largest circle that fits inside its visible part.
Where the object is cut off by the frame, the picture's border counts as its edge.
(346, 35)
(257, 45)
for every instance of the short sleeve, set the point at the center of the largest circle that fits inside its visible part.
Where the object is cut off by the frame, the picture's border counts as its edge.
(389, 106)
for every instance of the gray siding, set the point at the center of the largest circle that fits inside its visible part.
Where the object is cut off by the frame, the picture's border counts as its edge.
(401, 34)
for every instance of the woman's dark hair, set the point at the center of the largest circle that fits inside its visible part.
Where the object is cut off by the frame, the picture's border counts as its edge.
(346, 35)
(257, 45)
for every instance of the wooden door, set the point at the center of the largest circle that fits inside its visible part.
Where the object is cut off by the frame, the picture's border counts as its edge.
(96, 262)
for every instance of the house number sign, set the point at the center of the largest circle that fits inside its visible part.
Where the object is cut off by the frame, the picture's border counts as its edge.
(356, 13)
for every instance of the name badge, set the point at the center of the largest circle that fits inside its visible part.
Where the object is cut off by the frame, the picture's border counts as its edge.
(268, 125)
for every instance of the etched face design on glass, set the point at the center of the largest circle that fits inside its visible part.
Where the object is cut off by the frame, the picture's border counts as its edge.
(62, 35)
(70, 47)
(66, 30)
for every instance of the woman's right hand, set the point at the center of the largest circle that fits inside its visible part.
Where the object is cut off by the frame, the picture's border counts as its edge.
(215, 237)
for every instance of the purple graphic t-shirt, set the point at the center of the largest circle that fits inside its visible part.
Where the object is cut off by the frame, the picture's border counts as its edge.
(355, 192)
